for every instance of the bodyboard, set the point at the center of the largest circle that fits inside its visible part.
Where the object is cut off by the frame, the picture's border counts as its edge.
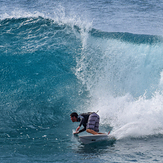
(95, 138)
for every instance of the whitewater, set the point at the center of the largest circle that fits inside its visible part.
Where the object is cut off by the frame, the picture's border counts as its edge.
(66, 56)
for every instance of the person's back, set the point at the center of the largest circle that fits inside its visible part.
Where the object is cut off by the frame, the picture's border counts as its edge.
(83, 118)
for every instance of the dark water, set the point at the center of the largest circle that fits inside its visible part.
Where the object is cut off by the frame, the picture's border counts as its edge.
(60, 57)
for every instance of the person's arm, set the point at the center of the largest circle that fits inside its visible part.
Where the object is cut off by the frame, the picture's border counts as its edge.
(79, 131)
(83, 129)
(82, 119)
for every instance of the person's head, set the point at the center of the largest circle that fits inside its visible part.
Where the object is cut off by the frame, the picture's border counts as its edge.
(74, 117)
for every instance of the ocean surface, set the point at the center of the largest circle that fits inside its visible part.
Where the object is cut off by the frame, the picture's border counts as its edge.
(57, 57)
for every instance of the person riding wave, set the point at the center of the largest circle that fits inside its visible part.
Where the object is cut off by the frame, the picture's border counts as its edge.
(89, 120)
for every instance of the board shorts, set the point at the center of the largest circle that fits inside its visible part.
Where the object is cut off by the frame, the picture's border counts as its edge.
(93, 122)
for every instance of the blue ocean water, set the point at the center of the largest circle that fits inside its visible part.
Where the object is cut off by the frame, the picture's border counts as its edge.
(57, 57)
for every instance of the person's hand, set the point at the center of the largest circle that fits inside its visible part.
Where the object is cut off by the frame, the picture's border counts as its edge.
(75, 133)
(77, 128)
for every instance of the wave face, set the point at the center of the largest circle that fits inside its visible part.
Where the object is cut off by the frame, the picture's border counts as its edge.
(38, 84)
(49, 69)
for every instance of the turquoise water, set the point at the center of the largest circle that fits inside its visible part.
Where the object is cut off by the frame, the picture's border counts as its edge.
(60, 57)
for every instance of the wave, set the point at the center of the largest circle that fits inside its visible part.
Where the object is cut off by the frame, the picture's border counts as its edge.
(37, 72)
(127, 37)
(50, 68)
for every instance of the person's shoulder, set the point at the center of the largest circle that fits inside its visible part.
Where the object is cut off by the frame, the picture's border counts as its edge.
(80, 116)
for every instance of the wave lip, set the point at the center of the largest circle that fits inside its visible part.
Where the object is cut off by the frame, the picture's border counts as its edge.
(128, 37)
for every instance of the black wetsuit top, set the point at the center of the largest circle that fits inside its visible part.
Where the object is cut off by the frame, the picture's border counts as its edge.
(83, 119)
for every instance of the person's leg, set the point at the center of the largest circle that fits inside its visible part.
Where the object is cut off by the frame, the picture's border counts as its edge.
(93, 124)
(92, 131)
(97, 124)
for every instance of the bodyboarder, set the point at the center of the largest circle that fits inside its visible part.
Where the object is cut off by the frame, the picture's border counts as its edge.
(89, 120)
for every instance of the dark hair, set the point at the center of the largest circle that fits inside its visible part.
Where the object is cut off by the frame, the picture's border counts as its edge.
(74, 114)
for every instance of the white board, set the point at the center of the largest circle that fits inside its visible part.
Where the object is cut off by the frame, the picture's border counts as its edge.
(95, 138)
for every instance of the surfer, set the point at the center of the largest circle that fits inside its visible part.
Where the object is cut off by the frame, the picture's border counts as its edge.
(89, 120)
